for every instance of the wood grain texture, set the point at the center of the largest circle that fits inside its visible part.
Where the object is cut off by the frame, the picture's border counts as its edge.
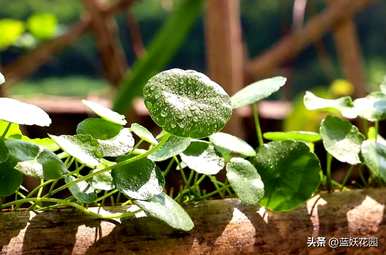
(222, 227)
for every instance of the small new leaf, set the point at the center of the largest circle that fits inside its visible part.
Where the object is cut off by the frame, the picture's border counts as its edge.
(257, 91)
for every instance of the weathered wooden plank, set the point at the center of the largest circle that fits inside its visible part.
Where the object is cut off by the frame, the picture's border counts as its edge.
(222, 227)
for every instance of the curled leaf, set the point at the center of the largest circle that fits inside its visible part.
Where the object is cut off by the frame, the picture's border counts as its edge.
(344, 104)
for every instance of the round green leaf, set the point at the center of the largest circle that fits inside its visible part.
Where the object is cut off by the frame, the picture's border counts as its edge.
(257, 91)
(105, 113)
(202, 158)
(305, 136)
(82, 191)
(374, 156)
(118, 145)
(372, 107)
(245, 180)
(32, 160)
(46, 143)
(2, 79)
(232, 143)
(143, 133)
(290, 173)
(98, 128)
(10, 179)
(173, 146)
(84, 148)
(14, 111)
(341, 139)
(344, 104)
(140, 179)
(104, 180)
(166, 209)
(4, 154)
(187, 103)
(13, 131)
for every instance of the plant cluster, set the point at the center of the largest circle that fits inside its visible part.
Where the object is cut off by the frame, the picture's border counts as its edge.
(107, 160)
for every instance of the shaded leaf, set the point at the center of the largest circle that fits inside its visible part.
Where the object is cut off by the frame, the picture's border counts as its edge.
(14, 111)
(82, 191)
(173, 146)
(344, 104)
(202, 158)
(10, 179)
(187, 103)
(290, 172)
(4, 154)
(257, 91)
(245, 180)
(140, 179)
(166, 209)
(105, 113)
(232, 143)
(341, 139)
(98, 128)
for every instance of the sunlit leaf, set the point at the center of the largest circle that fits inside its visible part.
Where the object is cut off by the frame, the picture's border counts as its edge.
(118, 145)
(290, 172)
(374, 156)
(202, 158)
(166, 209)
(84, 148)
(104, 180)
(13, 131)
(232, 143)
(140, 179)
(42, 25)
(257, 91)
(2, 79)
(173, 146)
(187, 103)
(372, 107)
(14, 111)
(305, 136)
(344, 104)
(143, 133)
(341, 139)
(245, 180)
(105, 112)
(10, 32)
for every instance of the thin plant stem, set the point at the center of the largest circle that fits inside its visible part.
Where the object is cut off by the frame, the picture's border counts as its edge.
(117, 165)
(6, 130)
(376, 130)
(257, 124)
(348, 175)
(328, 172)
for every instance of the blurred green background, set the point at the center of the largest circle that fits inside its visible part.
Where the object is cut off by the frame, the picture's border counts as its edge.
(76, 71)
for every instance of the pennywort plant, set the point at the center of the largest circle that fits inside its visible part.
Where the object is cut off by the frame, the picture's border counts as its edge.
(109, 161)
(344, 141)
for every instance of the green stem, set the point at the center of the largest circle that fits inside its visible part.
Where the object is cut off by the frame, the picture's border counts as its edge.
(106, 195)
(328, 172)
(67, 203)
(6, 130)
(117, 165)
(214, 192)
(347, 177)
(376, 130)
(257, 124)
